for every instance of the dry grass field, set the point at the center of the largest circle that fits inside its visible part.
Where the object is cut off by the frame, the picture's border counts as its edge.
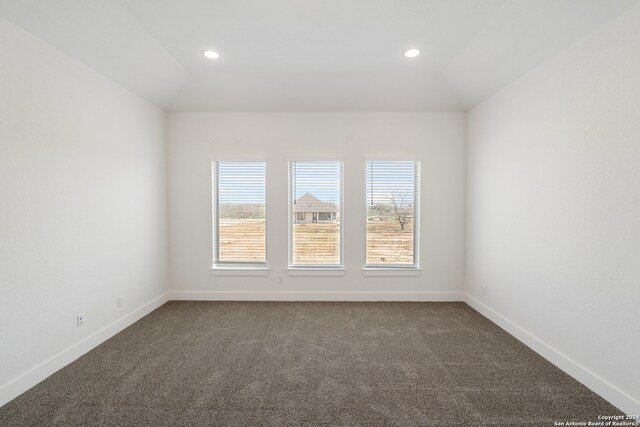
(233, 237)
(387, 244)
(315, 244)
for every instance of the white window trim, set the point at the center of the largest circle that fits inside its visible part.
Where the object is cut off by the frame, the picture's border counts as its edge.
(388, 269)
(228, 268)
(398, 271)
(313, 270)
(239, 270)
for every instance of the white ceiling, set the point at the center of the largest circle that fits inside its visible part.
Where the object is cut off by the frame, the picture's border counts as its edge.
(312, 55)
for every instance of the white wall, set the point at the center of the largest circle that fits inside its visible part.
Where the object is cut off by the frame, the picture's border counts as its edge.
(82, 206)
(554, 208)
(436, 139)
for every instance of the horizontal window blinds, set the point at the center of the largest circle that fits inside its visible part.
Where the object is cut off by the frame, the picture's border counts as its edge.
(391, 195)
(240, 221)
(315, 197)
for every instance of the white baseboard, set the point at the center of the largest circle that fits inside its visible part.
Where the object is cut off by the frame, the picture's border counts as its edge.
(606, 390)
(313, 296)
(25, 381)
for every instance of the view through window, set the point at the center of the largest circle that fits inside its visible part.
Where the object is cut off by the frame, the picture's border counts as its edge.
(392, 190)
(239, 212)
(315, 194)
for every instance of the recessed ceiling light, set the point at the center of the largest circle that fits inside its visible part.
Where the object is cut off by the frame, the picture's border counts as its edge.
(211, 54)
(412, 53)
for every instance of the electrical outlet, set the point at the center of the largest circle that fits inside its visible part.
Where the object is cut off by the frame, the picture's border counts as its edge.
(80, 320)
(281, 279)
(120, 301)
(484, 289)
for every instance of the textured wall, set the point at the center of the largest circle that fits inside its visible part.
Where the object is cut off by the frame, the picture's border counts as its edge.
(436, 139)
(553, 205)
(82, 201)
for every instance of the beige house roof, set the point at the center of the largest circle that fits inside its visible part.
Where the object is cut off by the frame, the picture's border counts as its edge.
(310, 203)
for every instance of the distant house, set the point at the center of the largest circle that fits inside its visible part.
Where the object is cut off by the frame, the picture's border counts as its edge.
(309, 209)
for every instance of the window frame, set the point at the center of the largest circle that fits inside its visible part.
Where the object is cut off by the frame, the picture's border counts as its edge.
(313, 269)
(395, 269)
(243, 267)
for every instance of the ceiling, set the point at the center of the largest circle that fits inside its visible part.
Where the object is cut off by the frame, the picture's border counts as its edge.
(312, 55)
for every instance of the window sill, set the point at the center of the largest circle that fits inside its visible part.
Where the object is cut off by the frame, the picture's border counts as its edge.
(235, 270)
(391, 272)
(303, 271)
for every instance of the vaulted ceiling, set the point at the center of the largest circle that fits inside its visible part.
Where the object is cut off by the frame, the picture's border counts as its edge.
(312, 55)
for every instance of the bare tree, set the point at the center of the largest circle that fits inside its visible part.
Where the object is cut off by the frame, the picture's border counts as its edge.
(402, 209)
(248, 211)
(244, 211)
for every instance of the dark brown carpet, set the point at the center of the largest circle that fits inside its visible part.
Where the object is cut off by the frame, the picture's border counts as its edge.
(268, 363)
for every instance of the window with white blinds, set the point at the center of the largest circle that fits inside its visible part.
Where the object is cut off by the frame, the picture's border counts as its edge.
(239, 212)
(391, 213)
(315, 194)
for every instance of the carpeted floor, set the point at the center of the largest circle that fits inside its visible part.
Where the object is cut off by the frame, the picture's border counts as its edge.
(308, 363)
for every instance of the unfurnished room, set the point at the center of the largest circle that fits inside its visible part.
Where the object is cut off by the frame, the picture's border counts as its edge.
(319, 212)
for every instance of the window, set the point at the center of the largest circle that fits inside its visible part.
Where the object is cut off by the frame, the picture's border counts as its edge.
(391, 213)
(315, 189)
(239, 212)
